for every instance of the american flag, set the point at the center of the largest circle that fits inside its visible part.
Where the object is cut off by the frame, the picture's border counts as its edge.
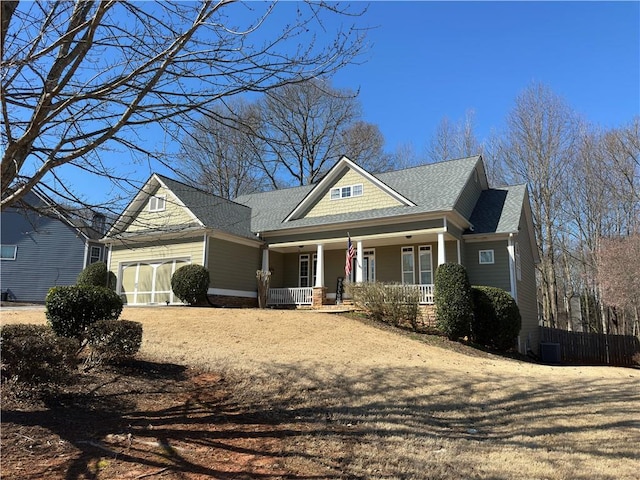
(350, 254)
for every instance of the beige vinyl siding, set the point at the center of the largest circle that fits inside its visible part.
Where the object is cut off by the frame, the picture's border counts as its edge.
(144, 270)
(333, 268)
(454, 231)
(492, 275)
(527, 291)
(233, 266)
(276, 265)
(174, 214)
(450, 251)
(290, 274)
(373, 197)
(470, 194)
(389, 264)
(143, 252)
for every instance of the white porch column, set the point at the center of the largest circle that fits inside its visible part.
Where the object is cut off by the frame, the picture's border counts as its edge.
(359, 262)
(320, 266)
(512, 267)
(265, 259)
(442, 257)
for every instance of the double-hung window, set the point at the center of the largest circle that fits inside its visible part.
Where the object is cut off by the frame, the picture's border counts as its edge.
(95, 254)
(426, 265)
(408, 269)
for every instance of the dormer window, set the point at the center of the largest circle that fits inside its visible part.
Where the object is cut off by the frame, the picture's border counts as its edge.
(347, 191)
(157, 203)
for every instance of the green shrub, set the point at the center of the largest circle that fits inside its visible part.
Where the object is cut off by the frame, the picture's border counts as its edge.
(113, 341)
(97, 275)
(34, 354)
(452, 297)
(497, 320)
(190, 283)
(70, 310)
(390, 303)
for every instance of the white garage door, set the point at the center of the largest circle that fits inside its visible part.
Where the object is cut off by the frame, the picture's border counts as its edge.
(145, 283)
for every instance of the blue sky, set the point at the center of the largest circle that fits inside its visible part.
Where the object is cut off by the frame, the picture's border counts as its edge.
(429, 60)
(436, 59)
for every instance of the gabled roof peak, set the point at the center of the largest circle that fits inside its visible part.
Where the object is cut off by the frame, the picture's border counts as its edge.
(331, 176)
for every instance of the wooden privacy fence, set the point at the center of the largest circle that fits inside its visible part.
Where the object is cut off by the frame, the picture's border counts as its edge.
(592, 348)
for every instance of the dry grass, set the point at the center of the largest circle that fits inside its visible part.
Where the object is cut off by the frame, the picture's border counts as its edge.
(354, 401)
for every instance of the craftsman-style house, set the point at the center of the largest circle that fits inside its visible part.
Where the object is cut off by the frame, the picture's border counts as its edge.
(403, 224)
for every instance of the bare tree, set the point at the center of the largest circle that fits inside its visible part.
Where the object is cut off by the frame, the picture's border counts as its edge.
(454, 139)
(540, 141)
(442, 145)
(221, 152)
(405, 156)
(363, 143)
(83, 78)
(302, 128)
(619, 276)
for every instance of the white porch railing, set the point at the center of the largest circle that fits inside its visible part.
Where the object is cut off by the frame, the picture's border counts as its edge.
(304, 295)
(290, 296)
(425, 292)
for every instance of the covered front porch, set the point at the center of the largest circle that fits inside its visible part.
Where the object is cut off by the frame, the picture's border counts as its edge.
(309, 272)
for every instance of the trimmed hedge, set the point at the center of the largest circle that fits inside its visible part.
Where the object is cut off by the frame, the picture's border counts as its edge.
(70, 310)
(497, 319)
(113, 340)
(35, 354)
(97, 275)
(452, 297)
(191, 283)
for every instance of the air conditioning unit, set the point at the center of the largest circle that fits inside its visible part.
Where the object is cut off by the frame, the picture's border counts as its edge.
(550, 352)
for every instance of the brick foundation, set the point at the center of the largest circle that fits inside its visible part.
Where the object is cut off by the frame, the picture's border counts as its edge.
(428, 315)
(319, 297)
(228, 301)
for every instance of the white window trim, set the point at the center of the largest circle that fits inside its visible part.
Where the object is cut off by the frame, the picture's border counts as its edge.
(337, 193)
(371, 254)
(91, 256)
(404, 250)
(157, 203)
(307, 258)
(430, 250)
(481, 261)
(15, 253)
(518, 264)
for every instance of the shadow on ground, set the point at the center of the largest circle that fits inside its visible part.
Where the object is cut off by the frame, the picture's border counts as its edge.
(305, 422)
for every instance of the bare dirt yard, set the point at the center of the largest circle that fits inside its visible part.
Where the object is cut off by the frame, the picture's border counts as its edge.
(229, 393)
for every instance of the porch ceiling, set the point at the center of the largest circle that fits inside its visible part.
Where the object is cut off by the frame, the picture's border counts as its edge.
(369, 241)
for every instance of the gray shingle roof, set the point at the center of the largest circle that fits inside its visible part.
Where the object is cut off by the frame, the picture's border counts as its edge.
(434, 187)
(214, 211)
(498, 210)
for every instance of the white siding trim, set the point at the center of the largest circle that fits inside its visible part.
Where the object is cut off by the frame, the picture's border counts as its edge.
(86, 255)
(512, 268)
(205, 250)
(232, 293)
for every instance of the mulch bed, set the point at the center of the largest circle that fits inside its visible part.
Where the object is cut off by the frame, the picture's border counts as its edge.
(140, 420)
